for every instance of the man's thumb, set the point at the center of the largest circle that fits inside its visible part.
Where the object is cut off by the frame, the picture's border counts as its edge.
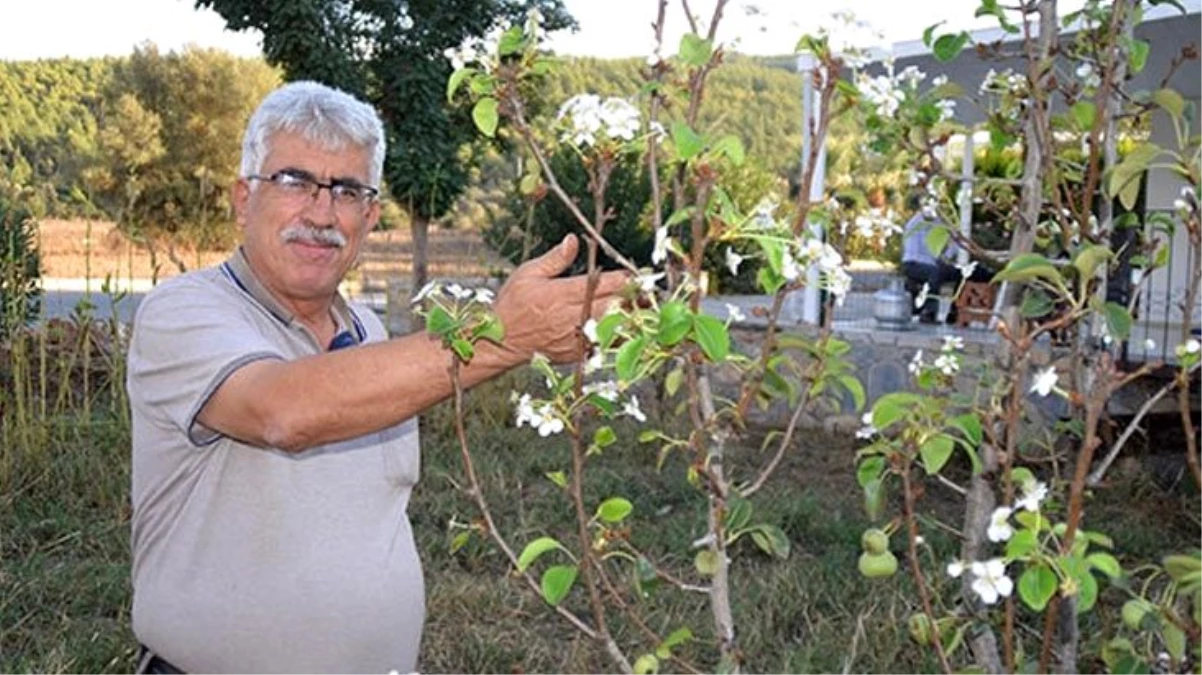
(555, 261)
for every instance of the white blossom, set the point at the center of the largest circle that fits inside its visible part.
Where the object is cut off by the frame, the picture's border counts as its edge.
(921, 298)
(647, 281)
(660, 252)
(1088, 77)
(459, 292)
(967, 269)
(990, 580)
(1149, 344)
(1192, 346)
(621, 119)
(632, 408)
(543, 419)
(734, 313)
(484, 296)
(1045, 381)
(868, 430)
(916, 363)
(1034, 492)
(955, 568)
(606, 389)
(590, 330)
(999, 524)
(947, 109)
(952, 343)
(425, 291)
(947, 363)
(733, 260)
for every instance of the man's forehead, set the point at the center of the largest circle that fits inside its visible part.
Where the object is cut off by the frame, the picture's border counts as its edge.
(292, 150)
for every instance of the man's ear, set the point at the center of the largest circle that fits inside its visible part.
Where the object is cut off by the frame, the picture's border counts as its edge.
(372, 217)
(240, 199)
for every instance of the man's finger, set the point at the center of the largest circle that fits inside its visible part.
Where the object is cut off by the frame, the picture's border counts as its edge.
(608, 284)
(553, 262)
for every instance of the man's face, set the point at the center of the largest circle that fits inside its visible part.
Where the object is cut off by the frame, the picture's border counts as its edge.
(291, 237)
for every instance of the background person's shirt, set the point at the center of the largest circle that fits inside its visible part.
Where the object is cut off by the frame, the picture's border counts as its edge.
(256, 560)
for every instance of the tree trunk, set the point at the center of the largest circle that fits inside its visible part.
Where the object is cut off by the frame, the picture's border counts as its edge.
(419, 226)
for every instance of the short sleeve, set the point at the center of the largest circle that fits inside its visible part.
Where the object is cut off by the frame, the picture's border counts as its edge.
(189, 335)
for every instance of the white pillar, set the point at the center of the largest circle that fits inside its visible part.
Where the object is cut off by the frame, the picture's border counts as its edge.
(810, 112)
(966, 180)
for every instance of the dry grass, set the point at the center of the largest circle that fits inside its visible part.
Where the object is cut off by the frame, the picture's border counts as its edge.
(77, 249)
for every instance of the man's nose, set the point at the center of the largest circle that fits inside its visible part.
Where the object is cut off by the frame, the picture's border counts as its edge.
(322, 201)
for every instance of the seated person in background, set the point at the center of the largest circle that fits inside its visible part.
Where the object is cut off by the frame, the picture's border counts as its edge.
(921, 267)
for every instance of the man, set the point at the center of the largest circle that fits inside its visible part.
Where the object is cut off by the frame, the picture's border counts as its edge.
(274, 439)
(921, 267)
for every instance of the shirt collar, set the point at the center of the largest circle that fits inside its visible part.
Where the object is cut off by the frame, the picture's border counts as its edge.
(350, 330)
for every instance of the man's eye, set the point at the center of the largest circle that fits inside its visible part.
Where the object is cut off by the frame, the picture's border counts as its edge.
(347, 193)
(290, 182)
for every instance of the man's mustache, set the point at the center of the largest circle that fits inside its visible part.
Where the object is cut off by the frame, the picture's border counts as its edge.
(309, 234)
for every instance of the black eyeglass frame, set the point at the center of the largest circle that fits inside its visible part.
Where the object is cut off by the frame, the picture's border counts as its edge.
(367, 195)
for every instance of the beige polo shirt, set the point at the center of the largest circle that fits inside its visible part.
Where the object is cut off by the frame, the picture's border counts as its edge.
(255, 560)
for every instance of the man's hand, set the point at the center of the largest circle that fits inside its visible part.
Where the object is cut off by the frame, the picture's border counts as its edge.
(541, 313)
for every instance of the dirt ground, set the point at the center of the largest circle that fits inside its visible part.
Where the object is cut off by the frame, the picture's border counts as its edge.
(76, 249)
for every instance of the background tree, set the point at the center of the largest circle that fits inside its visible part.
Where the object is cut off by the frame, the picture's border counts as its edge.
(391, 54)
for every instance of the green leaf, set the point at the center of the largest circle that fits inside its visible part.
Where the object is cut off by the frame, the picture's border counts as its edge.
(558, 477)
(460, 540)
(535, 549)
(947, 47)
(1022, 543)
(731, 147)
(614, 510)
(870, 469)
(1106, 564)
(675, 320)
(492, 330)
(604, 437)
(874, 498)
(673, 380)
(463, 349)
(738, 513)
(627, 362)
(512, 41)
(557, 581)
(1036, 304)
(1036, 586)
(484, 114)
(607, 327)
(892, 407)
(688, 143)
(439, 323)
(706, 562)
(1032, 520)
(771, 540)
(646, 665)
(969, 425)
(1089, 258)
(675, 639)
(710, 333)
(929, 33)
(456, 79)
(1084, 113)
(1029, 266)
(695, 50)
(1174, 640)
(1171, 101)
(852, 384)
(936, 451)
(1139, 55)
(1118, 320)
(1181, 567)
(1087, 592)
(937, 238)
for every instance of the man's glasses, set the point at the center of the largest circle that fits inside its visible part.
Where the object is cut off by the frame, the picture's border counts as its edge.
(298, 186)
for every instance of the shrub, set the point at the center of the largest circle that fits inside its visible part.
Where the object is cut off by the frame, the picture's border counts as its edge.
(20, 268)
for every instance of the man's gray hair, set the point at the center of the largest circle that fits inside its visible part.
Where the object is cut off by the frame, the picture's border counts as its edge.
(328, 117)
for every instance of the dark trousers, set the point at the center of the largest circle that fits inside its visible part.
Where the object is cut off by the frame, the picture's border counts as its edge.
(149, 662)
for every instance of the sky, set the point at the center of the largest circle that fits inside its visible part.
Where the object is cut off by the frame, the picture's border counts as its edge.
(609, 28)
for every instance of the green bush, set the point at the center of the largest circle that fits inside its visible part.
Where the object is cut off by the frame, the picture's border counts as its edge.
(20, 268)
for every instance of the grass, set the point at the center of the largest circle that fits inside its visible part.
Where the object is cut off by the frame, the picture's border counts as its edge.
(64, 543)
